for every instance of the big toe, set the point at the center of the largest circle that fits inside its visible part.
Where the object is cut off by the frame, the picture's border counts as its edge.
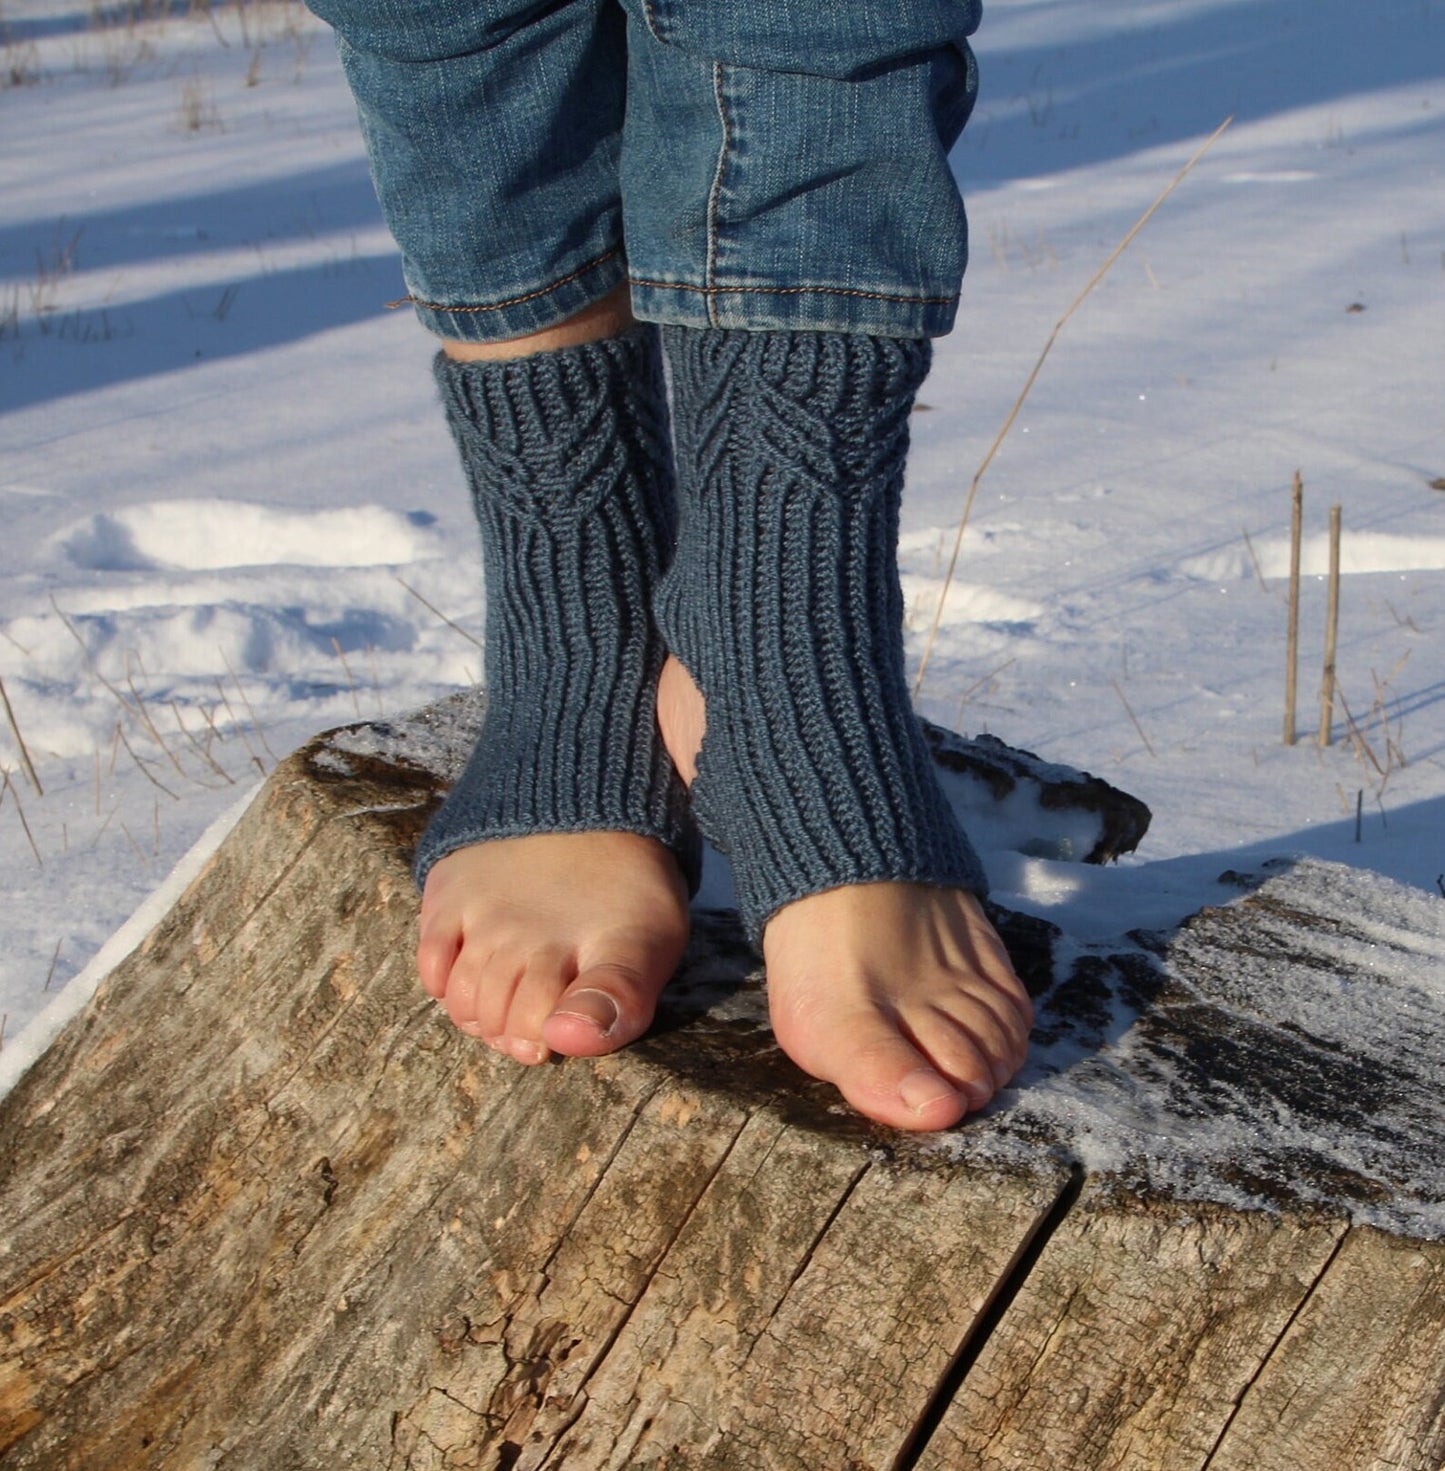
(884, 1076)
(606, 1007)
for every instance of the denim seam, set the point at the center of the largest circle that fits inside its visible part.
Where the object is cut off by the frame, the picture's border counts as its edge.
(796, 291)
(497, 306)
(649, 16)
(715, 193)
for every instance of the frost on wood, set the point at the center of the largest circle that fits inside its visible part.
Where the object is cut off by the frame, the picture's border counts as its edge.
(265, 1208)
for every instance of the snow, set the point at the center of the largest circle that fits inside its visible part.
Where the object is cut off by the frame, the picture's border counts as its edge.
(232, 515)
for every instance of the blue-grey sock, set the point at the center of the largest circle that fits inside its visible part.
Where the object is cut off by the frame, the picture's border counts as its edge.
(568, 460)
(783, 601)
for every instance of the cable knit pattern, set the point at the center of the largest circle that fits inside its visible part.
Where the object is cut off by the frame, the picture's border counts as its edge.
(567, 456)
(783, 601)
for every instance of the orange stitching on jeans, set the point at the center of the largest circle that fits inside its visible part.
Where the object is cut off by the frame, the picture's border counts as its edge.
(437, 306)
(796, 291)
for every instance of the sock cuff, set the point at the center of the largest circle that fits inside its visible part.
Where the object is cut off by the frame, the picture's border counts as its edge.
(784, 603)
(569, 464)
(546, 438)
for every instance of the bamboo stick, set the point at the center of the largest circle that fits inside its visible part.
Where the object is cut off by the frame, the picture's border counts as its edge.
(1291, 671)
(1332, 629)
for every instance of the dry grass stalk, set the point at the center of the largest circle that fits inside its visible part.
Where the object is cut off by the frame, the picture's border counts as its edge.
(1377, 723)
(1013, 413)
(143, 767)
(9, 786)
(90, 664)
(1394, 751)
(50, 974)
(203, 752)
(240, 729)
(977, 685)
(1254, 561)
(375, 678)
(350, 680)
(1291, 668)
(1124, 700)
(432, 608)
(139, 851)
(100, 831)
(20, 741)
(245, 700)
(147, 722)
(1332, 632)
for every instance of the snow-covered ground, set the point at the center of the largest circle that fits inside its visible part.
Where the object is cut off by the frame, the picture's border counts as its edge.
(231, 515)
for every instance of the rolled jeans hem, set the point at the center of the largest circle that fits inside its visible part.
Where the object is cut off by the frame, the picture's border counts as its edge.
(534, 310)
(794, 308)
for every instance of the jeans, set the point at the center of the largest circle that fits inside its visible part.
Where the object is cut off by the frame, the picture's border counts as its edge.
(757, 164)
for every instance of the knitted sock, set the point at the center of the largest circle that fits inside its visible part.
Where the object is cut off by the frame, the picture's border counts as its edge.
(567, 456)
(784, 604)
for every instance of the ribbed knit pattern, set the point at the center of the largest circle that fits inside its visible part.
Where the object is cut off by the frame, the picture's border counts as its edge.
(784, 603)
(567, 456)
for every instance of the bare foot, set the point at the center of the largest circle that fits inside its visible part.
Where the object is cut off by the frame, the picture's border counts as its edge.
(557, 942)
(901, 995)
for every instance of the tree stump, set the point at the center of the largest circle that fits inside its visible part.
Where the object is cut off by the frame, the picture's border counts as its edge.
(264, 1208)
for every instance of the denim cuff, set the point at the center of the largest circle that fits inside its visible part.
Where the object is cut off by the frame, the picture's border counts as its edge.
(533, 311)
(794, 309)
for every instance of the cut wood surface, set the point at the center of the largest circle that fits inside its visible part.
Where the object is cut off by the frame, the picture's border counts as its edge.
(264, 1208)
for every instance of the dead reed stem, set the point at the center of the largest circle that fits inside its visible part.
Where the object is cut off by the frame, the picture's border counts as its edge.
(1254, 560)
(432, 608)
(1291, 669)
(198, 748)
(240, 729)
(150, 725)
(245, 700)
(1332, 630)
(9, 786)
(144, 770)
(20, 741)
(139, 851)
(54, 961)
(1013, 413)
(350, 679)
(1124, 700)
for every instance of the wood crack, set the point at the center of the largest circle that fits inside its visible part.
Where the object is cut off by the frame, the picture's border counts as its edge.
(991, 1315)
(1268, 1357)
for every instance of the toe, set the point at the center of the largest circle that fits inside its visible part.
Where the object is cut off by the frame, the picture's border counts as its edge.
(882, 1074)
(608, 1005)
(479, 991)
(436, 953)
(968, 1038)
(895, 1083)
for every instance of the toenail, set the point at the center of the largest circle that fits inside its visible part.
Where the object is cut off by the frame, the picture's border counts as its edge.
(594, 1007)
(527, 1052)
(924, 1087)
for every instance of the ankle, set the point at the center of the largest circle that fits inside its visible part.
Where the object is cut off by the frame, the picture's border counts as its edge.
(609, 317)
